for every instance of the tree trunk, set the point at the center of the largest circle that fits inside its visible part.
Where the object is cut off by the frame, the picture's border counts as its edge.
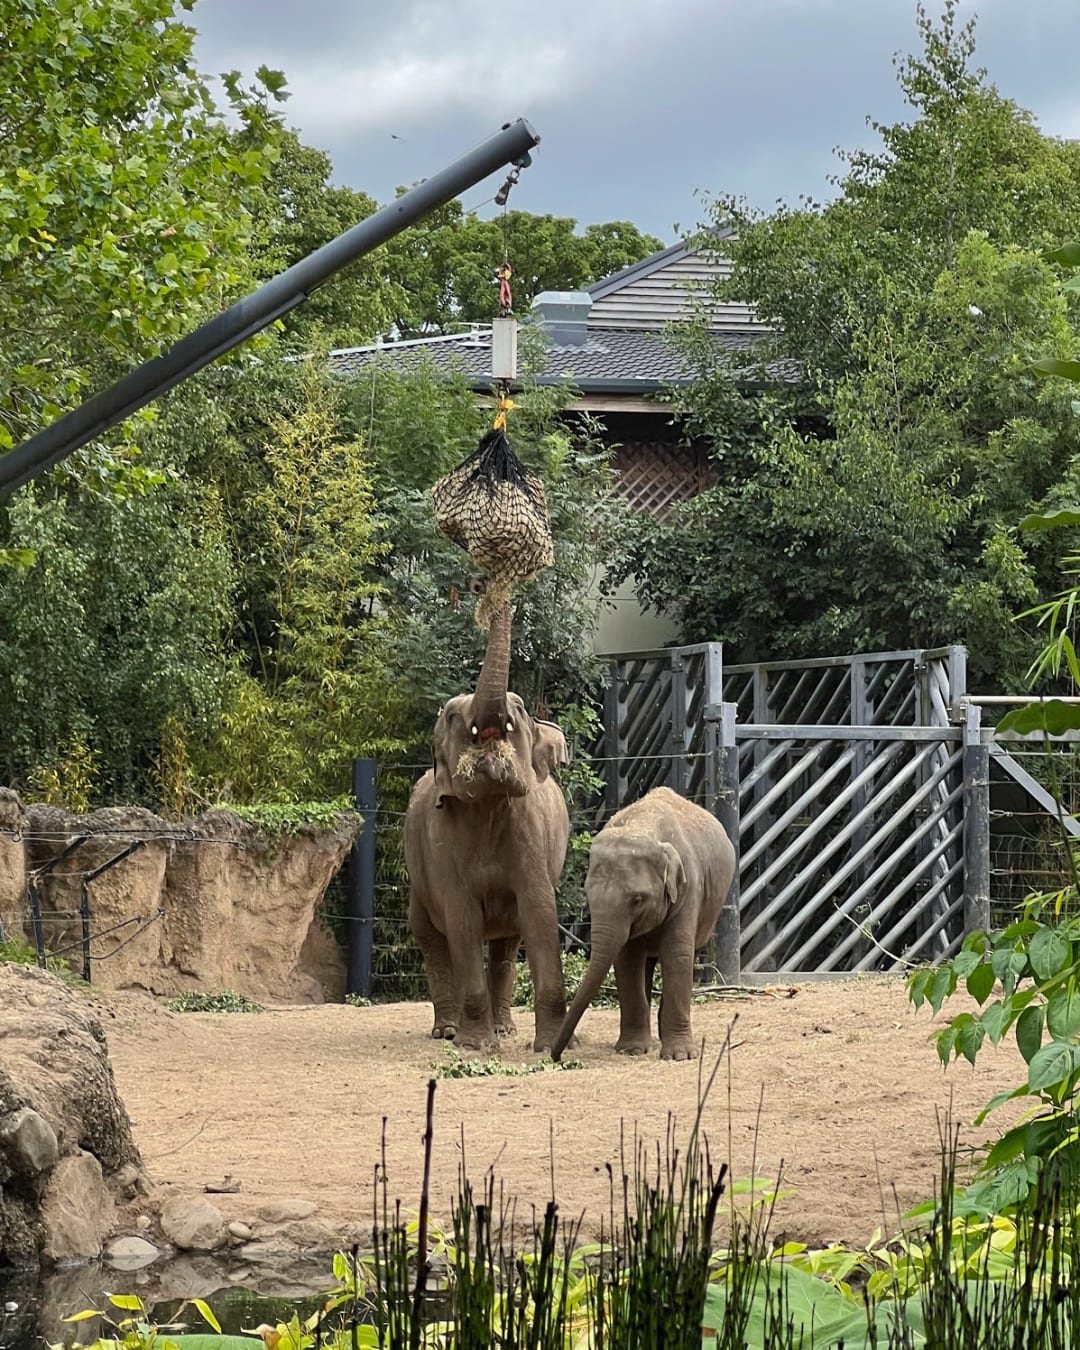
(489, 701)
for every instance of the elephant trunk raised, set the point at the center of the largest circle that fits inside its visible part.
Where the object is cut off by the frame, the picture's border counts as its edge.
(489, 713)
(606, 945)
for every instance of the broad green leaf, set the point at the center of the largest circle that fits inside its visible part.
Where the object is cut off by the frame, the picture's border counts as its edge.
(1063, 1012)
(968, 1039)
(1052, 365)
(946, 1043)
(980, 983)
(1068, 255)
(129, 1302)
(965, 962)
(1049, 952)
(998, 1099)
(1051, 717)
(995, 1021)
(1029, 1030)
(1009, 1146)
(83, 1316)
(918, 986)
(943, 984)
(207, 1314)
(1049, 1066)
(1052, 520)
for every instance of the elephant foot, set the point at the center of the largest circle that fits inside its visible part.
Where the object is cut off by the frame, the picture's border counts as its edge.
(679, 1050)
(505, 1027)
(475, 1037)
(626, 1046)
(443, 1031)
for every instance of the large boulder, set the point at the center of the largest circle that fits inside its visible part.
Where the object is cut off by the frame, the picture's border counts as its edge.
(67, 1158)
(207, 904)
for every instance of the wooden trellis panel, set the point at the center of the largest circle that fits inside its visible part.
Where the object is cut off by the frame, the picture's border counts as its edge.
(656, 478)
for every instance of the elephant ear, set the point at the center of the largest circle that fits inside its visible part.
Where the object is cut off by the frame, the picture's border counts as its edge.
(444, 782)
(549, 750)
(674, 872)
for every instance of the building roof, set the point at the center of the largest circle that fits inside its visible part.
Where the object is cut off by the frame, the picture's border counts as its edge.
(625, 351)
(609, 361)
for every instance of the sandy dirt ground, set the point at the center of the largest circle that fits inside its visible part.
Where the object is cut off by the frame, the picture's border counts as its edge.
(291, 1103)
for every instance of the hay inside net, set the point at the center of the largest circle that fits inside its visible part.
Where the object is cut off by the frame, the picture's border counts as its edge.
(496, 510)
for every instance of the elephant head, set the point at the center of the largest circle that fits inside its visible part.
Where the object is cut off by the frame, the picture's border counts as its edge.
(486, 744)
(632, 885)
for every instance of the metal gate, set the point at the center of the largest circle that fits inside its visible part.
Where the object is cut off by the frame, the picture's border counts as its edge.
(857, 788)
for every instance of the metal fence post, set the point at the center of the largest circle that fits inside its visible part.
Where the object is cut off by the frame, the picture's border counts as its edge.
(361, 915)
(728, 926)
(976, 823)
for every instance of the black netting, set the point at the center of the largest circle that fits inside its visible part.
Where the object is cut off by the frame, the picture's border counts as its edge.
(496, 510)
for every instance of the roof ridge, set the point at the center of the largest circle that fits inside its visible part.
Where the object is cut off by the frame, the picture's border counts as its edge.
(476, 331)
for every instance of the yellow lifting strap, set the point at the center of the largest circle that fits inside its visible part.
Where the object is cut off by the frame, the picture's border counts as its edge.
(504, 406)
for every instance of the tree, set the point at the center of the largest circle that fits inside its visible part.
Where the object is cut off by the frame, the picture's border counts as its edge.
(122, 195)
(875, 504)
(445, 269)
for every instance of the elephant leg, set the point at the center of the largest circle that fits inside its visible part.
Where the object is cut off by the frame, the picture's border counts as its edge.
(677, 971)
(633, 976)
(476, 1029)
(437, 967)
(502, 959)
(538, 919)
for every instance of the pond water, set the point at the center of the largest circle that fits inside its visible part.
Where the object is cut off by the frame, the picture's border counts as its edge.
(32, 1307)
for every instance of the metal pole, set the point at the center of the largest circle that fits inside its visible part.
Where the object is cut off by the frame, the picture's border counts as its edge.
(256, 311)
(84, 912)
(361, 916)
(728, 926)
(976, 823)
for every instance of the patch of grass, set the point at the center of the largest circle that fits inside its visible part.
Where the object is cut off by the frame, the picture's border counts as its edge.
(357, 1001)
(287, 818)
(15, 952)
(457, 1066)
(226, 1002)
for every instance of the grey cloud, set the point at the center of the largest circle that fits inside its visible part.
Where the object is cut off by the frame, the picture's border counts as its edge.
(639, 102)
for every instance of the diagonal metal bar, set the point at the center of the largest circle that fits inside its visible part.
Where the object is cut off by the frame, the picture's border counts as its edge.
(815, 790)
(750, 780)
(779, 786)
(888, 901)
(838, 840)
(918, 909)
(852, 901)
(807, 836)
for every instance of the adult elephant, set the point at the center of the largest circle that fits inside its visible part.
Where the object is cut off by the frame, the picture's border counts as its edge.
(485, 841)
(659, 873)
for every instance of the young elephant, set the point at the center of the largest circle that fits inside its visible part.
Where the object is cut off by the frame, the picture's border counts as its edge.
(659, 873)
(485, 841)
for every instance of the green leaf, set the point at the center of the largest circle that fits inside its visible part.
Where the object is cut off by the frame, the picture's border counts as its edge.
(1029, 1030)
(129, 1302)
(946, 1043)
(995, 1021)
(968, 1039)
(918, 985)
(1068, 255)
(999, 1099)
(1049, 952)
(965, 962)
(1051, 717)
(1049, 1066)
(1051, 365)
(1063, 1013)
(980, 983)
(943, 984)
(83, 1316)
(207, 1313)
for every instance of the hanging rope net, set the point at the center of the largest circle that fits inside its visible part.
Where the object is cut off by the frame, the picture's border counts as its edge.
(496, 510)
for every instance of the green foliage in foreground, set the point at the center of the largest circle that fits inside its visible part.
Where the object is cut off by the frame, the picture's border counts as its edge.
(288, 818)
(575, 965)
(457, 1065)
(225, 1002)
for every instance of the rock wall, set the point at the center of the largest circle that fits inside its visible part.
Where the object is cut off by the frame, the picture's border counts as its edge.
(67, 1158)
(208, 904)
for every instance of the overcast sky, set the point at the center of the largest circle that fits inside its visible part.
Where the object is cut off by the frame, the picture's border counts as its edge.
(640, 103)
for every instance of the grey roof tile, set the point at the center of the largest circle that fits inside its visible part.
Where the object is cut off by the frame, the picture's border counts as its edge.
(609, 358)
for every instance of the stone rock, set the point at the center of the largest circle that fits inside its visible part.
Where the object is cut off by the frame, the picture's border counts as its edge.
(77, 1209)
(240, 1231)
(29, 1141)
(243, 918)
(57, 1098)
(260, 1253)
(309, 1235)
(128, 1182)
(14, 913)
(193, 1225)
(287, 1211)
(144, 1223)
(130, 1253)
